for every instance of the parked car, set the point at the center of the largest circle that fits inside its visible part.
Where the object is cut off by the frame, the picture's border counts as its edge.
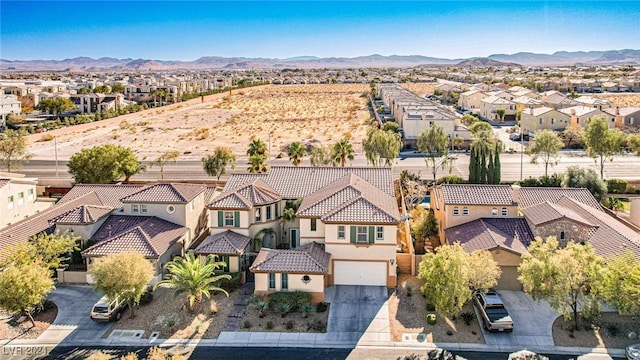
(495, 316)
(106, 311)
(516, 137)
(633, 352)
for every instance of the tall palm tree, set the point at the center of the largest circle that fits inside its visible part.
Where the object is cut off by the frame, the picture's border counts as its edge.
(296, 152)
(258, 164)
(193, 276)
(341, 151)
(257, 147)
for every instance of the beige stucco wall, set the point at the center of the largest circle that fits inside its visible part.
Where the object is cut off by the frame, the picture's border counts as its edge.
(242, 229)
(413, 128)
(315, 285)
(85, 232)
(21, 208)
(475, 212)
(307, 236)
(531, 123)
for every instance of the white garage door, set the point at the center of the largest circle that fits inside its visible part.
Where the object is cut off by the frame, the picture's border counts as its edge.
(360, 273)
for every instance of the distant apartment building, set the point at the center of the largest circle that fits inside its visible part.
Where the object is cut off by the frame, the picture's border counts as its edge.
(18, 199)
(97, 103)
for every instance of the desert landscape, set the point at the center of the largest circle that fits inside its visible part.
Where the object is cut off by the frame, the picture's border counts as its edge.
(312, 114)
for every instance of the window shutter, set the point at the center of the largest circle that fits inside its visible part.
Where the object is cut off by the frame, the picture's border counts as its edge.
(236, 218)
(372, 234)
(353, 234)
(277, 210)
(220, 219)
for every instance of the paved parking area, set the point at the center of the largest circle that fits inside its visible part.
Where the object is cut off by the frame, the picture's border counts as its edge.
(532, 322)
(353, 308)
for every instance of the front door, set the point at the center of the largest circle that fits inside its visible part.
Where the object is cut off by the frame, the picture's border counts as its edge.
(294, 238)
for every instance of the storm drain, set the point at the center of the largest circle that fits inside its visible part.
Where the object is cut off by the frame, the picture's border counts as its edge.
(414, 337)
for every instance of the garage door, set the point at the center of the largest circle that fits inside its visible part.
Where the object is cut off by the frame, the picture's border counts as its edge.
(509, 279)
(360, 273)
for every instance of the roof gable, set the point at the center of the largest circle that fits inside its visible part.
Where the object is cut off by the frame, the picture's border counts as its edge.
(492, 233)
(83, 214)
(225, 243)
(109, 195)
(310, 258)
(165, 193)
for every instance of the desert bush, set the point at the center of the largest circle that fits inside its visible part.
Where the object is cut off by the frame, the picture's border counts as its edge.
(283, 308)
(322, 307)
(449, 332)
(431, 319)
(232, 284)
(170, 322)
(450, 179)
(146, 297)
(616, 186)
(130, 356)
(317, 326)
(431, 307)
(294, 299)
(269, 324)
(613, 330)
(307, 309)
(46, 137)
(409, 289)
(247, 324)
(290, 324)
(468, 317)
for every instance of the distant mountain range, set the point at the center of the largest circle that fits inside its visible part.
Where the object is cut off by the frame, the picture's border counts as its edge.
(611, 57)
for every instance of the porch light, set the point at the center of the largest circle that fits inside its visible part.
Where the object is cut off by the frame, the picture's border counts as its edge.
(392, 261)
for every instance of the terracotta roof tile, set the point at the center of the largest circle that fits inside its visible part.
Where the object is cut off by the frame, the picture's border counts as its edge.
(83, 214)
(489, 233)
(166, 193)
(4, 182)
(470, 194)
(253, 193)
(546, 212)
(148, 235)
(225, 243)
(109, 195)
(529, 196)
(307, 259)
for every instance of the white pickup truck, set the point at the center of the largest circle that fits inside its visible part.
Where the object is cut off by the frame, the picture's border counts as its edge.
(494, 315)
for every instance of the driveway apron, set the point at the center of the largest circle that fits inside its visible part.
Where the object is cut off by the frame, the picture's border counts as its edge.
(354, 307)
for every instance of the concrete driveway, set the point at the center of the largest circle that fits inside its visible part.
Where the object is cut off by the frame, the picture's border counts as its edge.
(73, 324)
(532, 322)
(353, 307)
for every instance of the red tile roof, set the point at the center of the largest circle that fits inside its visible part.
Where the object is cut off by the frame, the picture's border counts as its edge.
(4, 182)
(253, 193)
(472, 194)
(489, 233)
(307, 259)
(166, 193)
(546, 212)
(225, 243)
(147, 235)
(529, 196)
(109, 195)
(83, 214)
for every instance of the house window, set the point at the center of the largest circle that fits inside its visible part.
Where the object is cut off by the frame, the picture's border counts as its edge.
(456, 211)
(20, 198)
(494, 212)
(314, 225)
(465, 211)
(379, 233)
(272, 281)
(553, 121)
(228, 218)
(284, 281)
(225, 259)
(30, 194)
(562, 235)
(10, 202)
(541, 121)
(258, 214)
(630, 121)
(341, 232)
(268, 212)
(504, 211)
(192, 205)
(143, 209)
(277, 209)
(135, 208)
(362, 234)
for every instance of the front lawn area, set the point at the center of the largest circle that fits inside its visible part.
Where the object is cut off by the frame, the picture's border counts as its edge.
(18, 326)
(408, 315)
(314, 319)
(608, 330)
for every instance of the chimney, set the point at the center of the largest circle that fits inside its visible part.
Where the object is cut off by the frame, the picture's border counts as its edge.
(515, 193)
(573, 112)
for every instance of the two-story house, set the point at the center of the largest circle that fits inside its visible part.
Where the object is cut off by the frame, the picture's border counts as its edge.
(18, 199)
(543, 118)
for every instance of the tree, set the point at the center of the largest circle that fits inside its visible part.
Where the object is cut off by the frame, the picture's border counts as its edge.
(634, 143)
(601, 142)
(501, 113)
(448, 277)
(258, 164)
(117, 88)
(320, 156)
(48, 250)
(162, 160)
(546, 147)
(435, 144)
(103, 164)
(296, 151)
(257, 147)
(423, 224)
(468, 120)
(480, 126)
(577, 177)
(621, 283)
(216, 164)
(194, 277)
(24, 286)
(573, 135)
(494, 171)
(13, 149)
(565, 277)
(125, 275)
(15, 119)
(341, 152)
(390, 126)
(55, 106)
(483, 150)
(381, 145)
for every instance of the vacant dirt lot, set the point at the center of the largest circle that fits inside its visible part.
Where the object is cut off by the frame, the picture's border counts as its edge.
(621, 99)
(421, 89)
(408, 315)
(17, 326)
(308, 113)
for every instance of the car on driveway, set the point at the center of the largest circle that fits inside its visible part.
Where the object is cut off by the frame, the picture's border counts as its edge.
(105, 310)
(516, 137)
(495, 316)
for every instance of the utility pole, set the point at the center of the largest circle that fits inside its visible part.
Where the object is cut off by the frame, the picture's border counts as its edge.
(55, 150)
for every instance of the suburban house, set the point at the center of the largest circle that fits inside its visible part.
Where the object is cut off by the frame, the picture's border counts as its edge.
(344, 230)
(19, 198)
(580, 114)
(9, 104)
(543, 118)
(558, 101)
(504, 219)
(97, 103)
(489, 106)
(471, 100)
(626, 116)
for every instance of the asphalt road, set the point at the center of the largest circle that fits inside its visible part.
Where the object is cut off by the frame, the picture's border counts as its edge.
(513, 165)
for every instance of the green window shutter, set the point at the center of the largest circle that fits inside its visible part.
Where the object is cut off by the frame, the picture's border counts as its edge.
(226, 262)
(372, 234)
(353, 234)
(236, 218)
(220, 219)
(277, 210)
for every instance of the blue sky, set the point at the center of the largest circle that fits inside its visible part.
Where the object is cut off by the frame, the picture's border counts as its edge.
(170, 30)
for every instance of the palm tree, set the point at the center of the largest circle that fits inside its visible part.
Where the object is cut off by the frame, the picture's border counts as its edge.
(258, 164)
(341, 151)
(257, 147)
(296, 152)
(193, 276)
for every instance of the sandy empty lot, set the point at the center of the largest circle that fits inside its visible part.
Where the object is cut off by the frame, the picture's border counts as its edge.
(621, 99)
(312, 114)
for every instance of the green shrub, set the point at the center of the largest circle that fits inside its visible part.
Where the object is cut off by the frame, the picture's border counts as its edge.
(431, 307)
(317, 326)
(468, 317)
(408, 289)
(269, 324)
(450, 179)
(146, 297)
(431, 319)
(283, 308)
(295, 299)
(616, 186)
(449, 332)
(232, 284)
(246, 324)
(322, 307)
(290, 325)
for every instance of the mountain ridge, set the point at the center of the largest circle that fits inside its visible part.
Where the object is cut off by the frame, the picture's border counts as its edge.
(558, 58)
